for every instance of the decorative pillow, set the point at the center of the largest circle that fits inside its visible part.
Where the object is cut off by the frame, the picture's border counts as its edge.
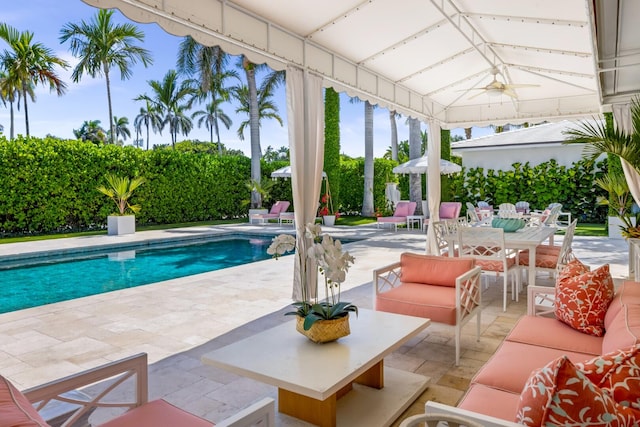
(15, 409)
(560, 395)
(582, 301)
(574, 268)
(618, 373)
(402, 209)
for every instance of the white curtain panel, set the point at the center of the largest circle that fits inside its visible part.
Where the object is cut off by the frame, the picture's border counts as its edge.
(433, 183)
(622, 116)
(305, 116)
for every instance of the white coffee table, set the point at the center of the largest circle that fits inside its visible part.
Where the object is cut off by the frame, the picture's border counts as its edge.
(312, 377)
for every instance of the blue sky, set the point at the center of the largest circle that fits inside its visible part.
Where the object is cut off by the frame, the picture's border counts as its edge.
(87, 100)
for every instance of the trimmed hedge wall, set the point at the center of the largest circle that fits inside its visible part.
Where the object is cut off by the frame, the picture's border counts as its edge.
(49, 185)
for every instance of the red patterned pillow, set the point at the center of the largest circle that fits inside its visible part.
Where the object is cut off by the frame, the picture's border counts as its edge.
(582, 301)
(618, 373)
(560, 395)
(573, 268)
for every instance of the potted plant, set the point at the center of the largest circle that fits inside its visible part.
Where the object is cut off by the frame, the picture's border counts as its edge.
(120, 190)
(333, 264)
(619, 203)
(263, 189)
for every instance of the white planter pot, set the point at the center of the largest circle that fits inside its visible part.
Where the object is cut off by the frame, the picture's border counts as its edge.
(614, 227)
(329, 220)
(117, 225)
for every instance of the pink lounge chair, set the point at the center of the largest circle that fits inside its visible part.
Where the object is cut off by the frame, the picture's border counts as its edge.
(403, 210)
(278, 207)
(447, 211)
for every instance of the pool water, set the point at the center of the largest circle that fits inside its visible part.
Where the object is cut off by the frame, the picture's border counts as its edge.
(52, 280)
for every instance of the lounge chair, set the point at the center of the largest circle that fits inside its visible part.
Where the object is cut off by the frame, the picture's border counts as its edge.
(447, 211)
(403, 210)
(274, 214)
(22, 408)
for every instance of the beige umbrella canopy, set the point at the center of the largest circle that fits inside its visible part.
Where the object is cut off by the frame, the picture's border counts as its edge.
(419, 165)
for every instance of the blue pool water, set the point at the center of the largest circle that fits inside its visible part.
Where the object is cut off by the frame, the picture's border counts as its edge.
(59, 279)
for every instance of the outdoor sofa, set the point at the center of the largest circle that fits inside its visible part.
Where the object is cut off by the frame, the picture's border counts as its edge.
(545, 355)
(114, 389)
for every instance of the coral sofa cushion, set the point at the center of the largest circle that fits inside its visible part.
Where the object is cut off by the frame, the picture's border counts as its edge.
(622, 321)
(557, 335)
(433, 269)
(559, 394)
(437, 303)
(482, 399)
(15, 409)
(511, 365)
(582, 301)
(158, 413)
(618, 373)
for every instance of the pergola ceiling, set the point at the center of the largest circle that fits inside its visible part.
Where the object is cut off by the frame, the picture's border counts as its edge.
(429, 58)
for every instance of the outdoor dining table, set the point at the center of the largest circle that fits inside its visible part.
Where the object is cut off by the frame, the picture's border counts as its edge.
(525, 238)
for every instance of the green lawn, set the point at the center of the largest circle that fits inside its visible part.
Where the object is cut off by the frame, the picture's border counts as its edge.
(581, 229)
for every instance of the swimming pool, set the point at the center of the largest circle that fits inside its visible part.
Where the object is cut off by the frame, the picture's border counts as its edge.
(52, 279)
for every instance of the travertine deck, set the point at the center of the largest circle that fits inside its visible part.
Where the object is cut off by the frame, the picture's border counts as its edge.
(177, 321)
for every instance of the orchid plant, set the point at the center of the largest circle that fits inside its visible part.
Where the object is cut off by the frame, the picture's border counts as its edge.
(333, 264)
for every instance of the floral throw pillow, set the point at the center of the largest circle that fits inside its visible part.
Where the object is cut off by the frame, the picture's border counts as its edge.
(560, 395)
(582, 301)
(618, 373)
(574, 268)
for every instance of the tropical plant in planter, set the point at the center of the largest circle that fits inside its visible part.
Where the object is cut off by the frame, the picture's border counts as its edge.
(333, 264)
(120, 190)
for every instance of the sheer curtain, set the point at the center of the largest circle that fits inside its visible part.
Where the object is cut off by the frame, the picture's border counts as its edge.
(433, 183)
(305, 116)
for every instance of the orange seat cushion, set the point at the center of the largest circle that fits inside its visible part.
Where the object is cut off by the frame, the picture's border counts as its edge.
(543, 260)
(157, 413)
(437, 303)
(483, 400)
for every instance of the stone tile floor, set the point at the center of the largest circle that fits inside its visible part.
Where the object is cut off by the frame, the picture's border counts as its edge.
(177, 321)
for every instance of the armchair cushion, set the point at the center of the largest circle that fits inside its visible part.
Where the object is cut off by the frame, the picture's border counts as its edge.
(433, 270)
(438, 303)
(402, 210)
(617, 372)
(559, 394)
(15, 409)
(582, 301)
(158, 413)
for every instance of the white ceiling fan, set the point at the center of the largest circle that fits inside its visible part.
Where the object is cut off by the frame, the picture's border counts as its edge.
(497, 88)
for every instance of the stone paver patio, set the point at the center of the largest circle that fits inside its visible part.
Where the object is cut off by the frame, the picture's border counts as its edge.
(177, 321)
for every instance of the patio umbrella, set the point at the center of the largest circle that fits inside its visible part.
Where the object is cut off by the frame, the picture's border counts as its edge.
(419, 165)
(285, 172)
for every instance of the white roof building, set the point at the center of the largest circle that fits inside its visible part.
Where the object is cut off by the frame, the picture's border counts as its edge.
(535, 144)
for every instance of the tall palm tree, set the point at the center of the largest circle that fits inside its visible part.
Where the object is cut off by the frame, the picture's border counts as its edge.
(147, 117)
(253, 109)
(394, 134)
(28, 64)
(415, 151)
(207, 65)
(210, 116)
(170, 101)
(9, 93)
(267, 109)
(121, 127)
(367, 199)
(101, 45)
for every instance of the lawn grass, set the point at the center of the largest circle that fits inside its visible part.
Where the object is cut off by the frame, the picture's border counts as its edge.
(581, 229)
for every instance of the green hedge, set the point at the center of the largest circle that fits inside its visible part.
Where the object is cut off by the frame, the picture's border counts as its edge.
(48, 185)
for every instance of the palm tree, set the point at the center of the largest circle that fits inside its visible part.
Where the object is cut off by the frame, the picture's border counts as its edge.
(210, 116)
(102, 45)
(267, 109)
(601, 138)
(9, 93)
(394, 134)
(415, 151)
(170, 102)
(91, 131)
(27, 64)
(120, 125)
(209, 64)
(148, 117)
(253, 109)
(367, 199)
